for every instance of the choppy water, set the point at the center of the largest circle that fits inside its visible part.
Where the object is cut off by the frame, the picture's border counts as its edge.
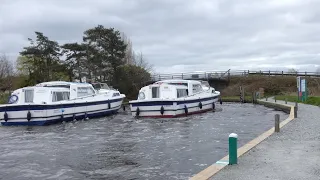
(121, 147)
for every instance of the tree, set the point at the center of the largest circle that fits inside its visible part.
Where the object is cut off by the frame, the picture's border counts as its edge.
(76, 59)
(140, 61)
(42, 56)
(108, 51)
(131, 79)
(6, 73)
(292, 71)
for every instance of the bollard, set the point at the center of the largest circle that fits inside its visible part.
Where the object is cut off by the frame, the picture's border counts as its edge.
(266, 98)
(233, 156)
(277, 123)
(296, 110)
(275, 99)
(286, 101)
(220, 100)
(124, 107)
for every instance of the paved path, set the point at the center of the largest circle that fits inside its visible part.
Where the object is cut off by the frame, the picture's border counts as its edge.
(292, 154)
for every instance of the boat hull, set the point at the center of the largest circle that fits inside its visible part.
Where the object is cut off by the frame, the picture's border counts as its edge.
(172, 109)
(40, 115)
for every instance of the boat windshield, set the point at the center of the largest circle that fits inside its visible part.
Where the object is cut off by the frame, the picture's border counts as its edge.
(205, 83)
(100, 86)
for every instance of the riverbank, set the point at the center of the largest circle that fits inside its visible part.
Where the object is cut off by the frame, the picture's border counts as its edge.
(293, 153)
(313, 100)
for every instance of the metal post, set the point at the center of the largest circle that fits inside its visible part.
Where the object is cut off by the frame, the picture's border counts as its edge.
(296, 110)
(277, 123)
(233, 156)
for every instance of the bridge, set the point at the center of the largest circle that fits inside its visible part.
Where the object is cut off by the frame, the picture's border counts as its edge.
(220, 79)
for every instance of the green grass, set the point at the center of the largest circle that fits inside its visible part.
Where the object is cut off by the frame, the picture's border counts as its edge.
(312, 100)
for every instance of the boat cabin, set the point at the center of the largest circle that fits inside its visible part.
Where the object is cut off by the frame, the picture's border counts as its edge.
(170, 89)
(51, 92)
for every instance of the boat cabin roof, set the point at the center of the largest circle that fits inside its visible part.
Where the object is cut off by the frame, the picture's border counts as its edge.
(179, 81)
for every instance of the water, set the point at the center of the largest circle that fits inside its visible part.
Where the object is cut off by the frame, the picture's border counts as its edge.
(121, 147)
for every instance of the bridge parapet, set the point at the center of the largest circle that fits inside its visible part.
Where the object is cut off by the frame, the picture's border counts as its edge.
(205, 75)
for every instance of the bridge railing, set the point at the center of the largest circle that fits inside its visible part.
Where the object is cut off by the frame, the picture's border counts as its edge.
(224, 75)
(274, 73)
(191, 75)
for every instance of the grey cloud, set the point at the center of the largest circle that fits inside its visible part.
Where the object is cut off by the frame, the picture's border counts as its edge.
(181, 35)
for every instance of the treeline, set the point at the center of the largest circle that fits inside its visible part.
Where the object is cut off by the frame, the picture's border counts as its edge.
(104, 55)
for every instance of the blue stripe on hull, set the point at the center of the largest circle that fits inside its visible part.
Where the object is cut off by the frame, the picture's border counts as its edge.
(56, 106)
(163, 103)
(58, 120)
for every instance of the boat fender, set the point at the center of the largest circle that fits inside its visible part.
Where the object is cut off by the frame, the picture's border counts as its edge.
(61, 116)
(200, 105)
(29, 116)
(5, 116)
(213, 106)
(137, 112)
(124, 107)
(185, 109)
(73, 117)
(162, 110)
(85, 115)
(109, 105)
(220, 100)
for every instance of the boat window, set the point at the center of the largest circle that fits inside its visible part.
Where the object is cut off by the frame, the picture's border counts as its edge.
(115, 94)
(196, 88)
(60, 96)
(182, 93)
(84, 91)
(184, 84)
(155, 92)
(28, 96)
(96, 86)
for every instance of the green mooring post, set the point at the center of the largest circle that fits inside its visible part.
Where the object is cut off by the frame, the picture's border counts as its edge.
(233, 156)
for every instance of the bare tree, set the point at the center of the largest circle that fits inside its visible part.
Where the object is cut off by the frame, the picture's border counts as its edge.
(129, 56)
(141, 61)
(6, 73)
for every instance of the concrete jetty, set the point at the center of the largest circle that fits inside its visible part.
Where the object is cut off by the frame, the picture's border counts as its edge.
(293, 153)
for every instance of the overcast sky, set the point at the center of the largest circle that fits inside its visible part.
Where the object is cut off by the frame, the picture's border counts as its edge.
(180, 35)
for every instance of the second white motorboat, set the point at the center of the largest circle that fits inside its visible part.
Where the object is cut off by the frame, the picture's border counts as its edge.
(174, 98)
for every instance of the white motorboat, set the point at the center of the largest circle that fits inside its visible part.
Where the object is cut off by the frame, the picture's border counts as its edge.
(174, 98)
(57, 101)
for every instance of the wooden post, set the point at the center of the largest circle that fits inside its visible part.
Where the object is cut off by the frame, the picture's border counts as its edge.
(275, 99)
(269, 73)
(277, 123)
(266, 98)
(282, 73)
(286, 101)
(253, 97)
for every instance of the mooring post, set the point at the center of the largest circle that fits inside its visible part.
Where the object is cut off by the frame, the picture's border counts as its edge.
(275, 99)
(286, 101)
(296, 110)
(277, 123)
(252, 97)
(233, 154)
(266, 98)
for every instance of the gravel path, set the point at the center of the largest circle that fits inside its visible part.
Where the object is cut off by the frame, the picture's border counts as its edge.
(292, 154)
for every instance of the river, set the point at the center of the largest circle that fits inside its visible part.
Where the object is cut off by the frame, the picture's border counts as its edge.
(122, 147)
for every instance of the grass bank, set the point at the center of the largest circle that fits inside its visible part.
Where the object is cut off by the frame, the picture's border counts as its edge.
(312, 100)
(273, 85)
